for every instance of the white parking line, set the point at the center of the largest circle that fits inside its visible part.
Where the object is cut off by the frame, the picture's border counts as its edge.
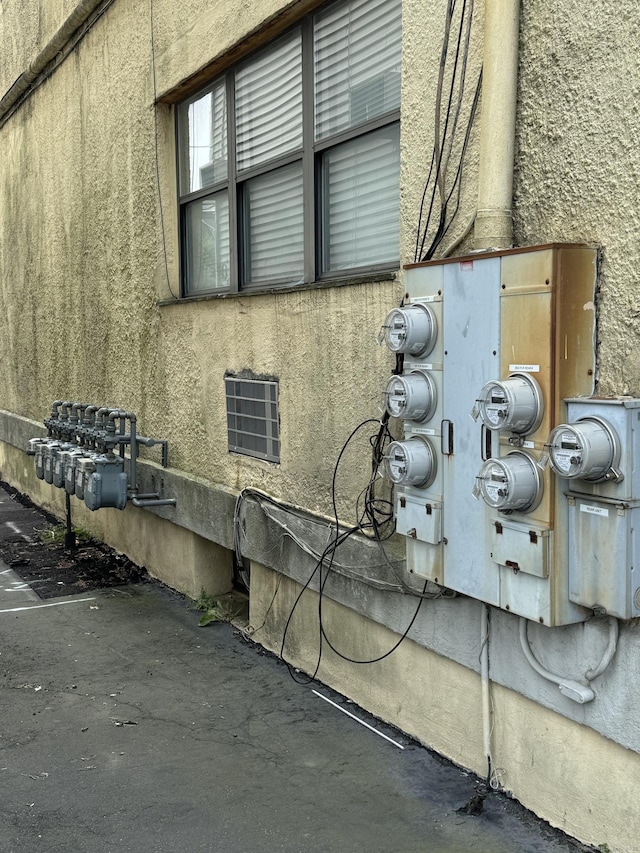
(13, 526)
(358, 720)
(51, 604)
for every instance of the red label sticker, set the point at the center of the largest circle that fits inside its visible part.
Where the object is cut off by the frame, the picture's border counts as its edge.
(466, 265)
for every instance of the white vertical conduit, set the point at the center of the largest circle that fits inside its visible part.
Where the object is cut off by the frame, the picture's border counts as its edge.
(484, 677)
(494, 225)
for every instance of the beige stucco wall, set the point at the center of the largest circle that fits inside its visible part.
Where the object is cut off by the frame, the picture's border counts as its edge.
(24, 30)
(82, 267)
(577, 168)
(81, 297)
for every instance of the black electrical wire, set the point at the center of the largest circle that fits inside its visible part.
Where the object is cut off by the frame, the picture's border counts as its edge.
(443, 142)
(155, 126)
(437, 150)
(457, 182)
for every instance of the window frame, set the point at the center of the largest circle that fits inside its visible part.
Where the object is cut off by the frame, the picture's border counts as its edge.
(310, 157)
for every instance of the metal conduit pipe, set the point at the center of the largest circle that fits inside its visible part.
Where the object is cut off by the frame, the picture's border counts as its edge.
(100, 414)
(152, 500)
(54, 408)
(75, 408)
(89, 415)
(52, 48)
(609, 652)
(574, 690)
(494, 224)
(64, 409)
(484, 677)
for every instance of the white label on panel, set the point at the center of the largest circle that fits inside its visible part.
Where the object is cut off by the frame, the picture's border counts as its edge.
(524, 368)
(594, 510)
(528, 444)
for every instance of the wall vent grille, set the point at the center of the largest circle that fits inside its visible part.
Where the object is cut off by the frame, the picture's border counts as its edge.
(253, 426)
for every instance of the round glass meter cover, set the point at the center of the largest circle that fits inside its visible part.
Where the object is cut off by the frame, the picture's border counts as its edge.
(411, 329)
(495, 485)
(495, 406)
(566, 453)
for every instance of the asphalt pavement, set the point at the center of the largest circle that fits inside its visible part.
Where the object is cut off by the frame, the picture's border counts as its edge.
(126, 728)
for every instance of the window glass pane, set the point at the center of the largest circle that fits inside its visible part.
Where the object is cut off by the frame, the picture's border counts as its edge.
(361, 201)
(274, 227)
(207, 243)
(357, 56)
(203, 141)
(269, 104)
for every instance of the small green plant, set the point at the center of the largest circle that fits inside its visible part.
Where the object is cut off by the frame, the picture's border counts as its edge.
(604, 848)
(225, 608)
(205, 602)
(55, 535)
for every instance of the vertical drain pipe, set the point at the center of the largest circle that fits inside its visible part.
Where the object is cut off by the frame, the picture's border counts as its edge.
(494, 224)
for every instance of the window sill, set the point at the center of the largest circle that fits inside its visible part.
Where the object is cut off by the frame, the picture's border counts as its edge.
(347, 281)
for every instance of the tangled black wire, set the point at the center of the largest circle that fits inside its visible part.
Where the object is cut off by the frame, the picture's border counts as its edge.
(427, 239)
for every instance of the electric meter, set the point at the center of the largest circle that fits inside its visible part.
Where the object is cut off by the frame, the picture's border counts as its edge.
(587, 449)
(411, 462)
(412, 396)
(510, 483)
(412, 330)
(514, 404)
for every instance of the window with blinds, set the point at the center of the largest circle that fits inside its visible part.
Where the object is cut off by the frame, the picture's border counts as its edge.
(289, 164)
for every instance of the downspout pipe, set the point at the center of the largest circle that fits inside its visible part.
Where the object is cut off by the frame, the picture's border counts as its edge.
(494, 223)
(49, 52)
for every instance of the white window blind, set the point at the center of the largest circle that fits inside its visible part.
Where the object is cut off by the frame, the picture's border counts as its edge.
(357, 57)
(361, 205)
(206, 149)
(269, 104)
(274, 227)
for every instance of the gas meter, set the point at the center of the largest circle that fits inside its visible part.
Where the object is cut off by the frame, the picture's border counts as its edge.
(511, 483)
(106, 484)
(515, 404)
(587, 449)
(411, 330)
(412, 396)
(411, 462)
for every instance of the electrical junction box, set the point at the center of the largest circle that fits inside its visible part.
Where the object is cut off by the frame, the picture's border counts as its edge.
(504, 338)
(604, 511)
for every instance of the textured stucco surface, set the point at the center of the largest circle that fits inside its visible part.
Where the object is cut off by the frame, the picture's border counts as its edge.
(577, 165)
(24, 30)
(82, 268)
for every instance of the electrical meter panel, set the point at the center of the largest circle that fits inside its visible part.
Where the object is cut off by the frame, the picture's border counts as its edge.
(596, 457)
(493, 344)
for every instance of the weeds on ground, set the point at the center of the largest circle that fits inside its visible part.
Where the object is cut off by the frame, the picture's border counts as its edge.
(55, 535)
(225, 608)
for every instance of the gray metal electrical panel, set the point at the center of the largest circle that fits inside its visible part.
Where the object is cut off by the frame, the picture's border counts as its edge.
(510, 336)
